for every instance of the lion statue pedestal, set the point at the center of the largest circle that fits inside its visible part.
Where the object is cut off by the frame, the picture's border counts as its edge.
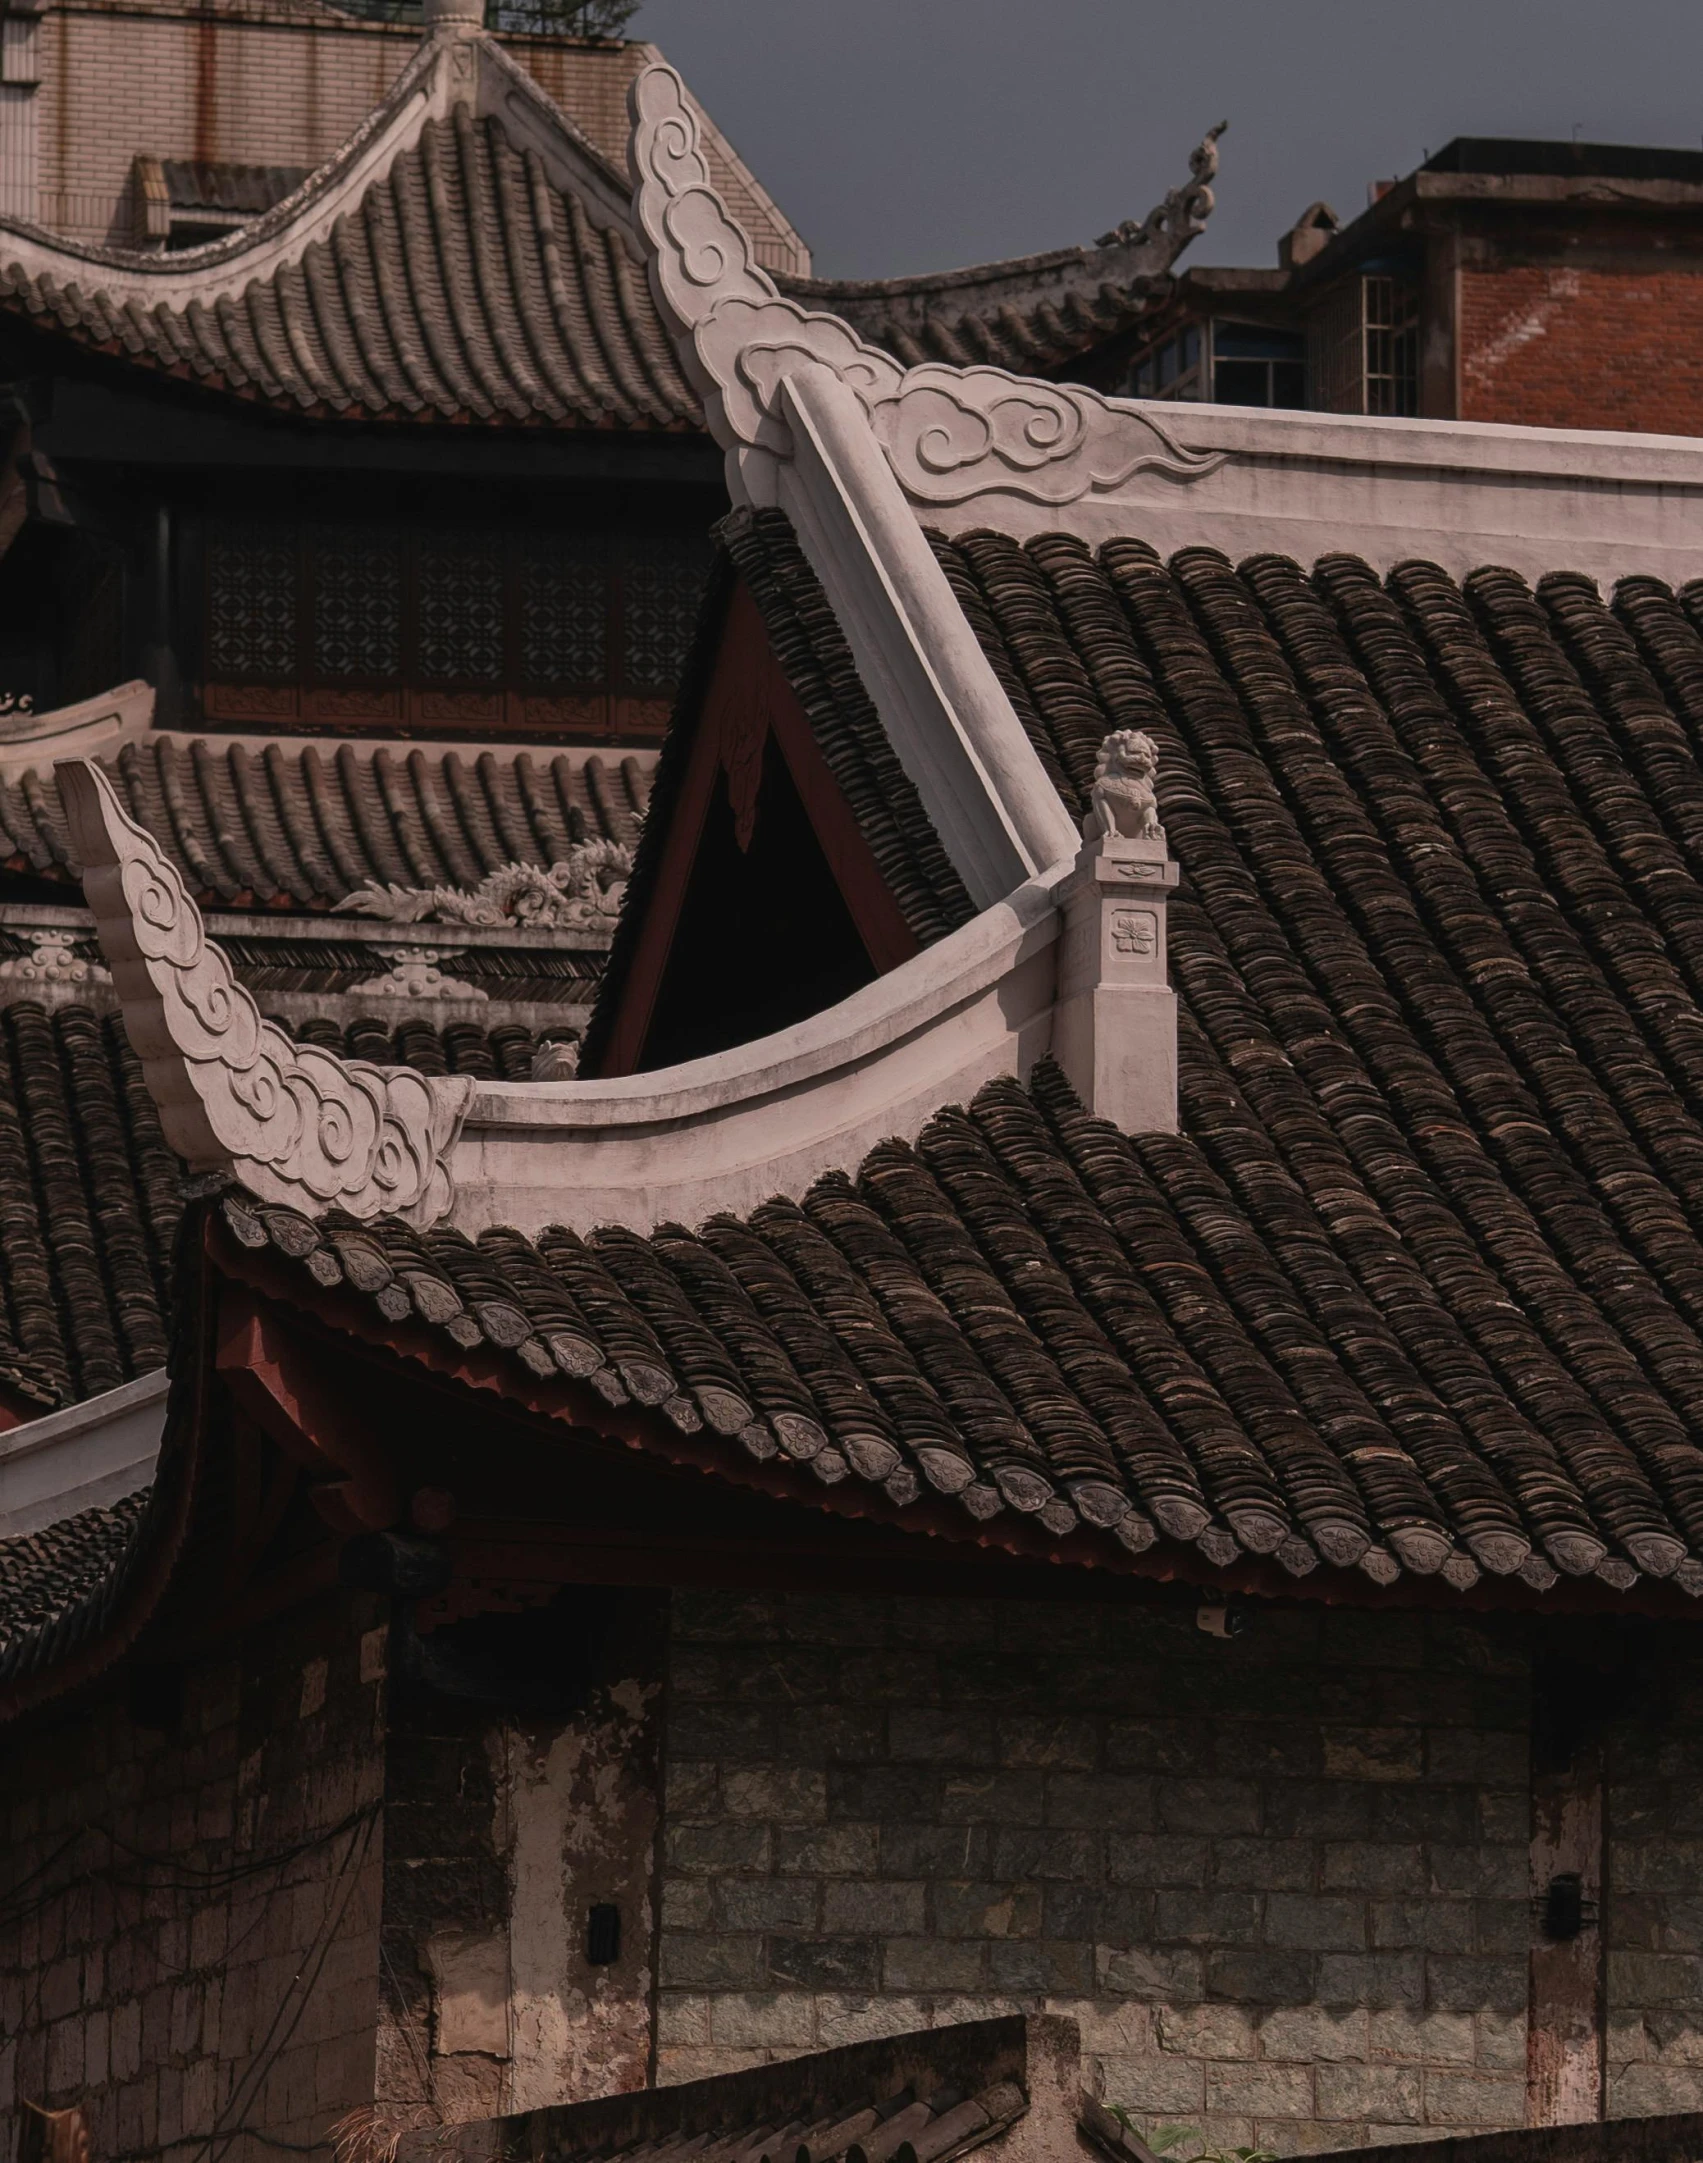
(1115, 1022)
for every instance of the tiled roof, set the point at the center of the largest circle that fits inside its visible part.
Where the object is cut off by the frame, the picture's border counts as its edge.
(1415, 1289)
(301, 826)
(500, 1054)
(1417, 1286)
(1029, 313)
(923, 2097)
(811, 648)
(89, 1205)
(461, 286)
(55, 1572)
(90, 1192)
(1439, 953)
(967, 324)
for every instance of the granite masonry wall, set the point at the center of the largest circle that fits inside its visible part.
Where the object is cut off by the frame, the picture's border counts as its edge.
(1280, 1880)
(189, 1894)
(501, 1836)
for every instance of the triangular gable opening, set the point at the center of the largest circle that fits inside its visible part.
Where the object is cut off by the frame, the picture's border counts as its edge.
(766, 904)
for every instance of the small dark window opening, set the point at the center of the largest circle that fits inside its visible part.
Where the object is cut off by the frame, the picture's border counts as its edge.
(1392, 346)
(1256, 366)
(764, 938)
(603, 1935)
(1564, 1907)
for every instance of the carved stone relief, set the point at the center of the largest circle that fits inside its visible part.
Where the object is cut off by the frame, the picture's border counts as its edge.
(53, 959)
(415, 972)
(1123, 800)
(582, 890)
(1135, 931)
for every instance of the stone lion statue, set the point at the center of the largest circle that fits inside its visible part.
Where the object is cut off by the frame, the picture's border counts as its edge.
(1122, 799)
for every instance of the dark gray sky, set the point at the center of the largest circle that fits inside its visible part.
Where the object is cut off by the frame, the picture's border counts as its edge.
(905, 135)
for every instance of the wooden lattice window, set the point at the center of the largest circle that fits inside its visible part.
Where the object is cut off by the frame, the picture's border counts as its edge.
(447, 630)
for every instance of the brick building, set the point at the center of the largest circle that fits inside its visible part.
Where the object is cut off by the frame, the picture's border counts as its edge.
(106, 110)
(1084, 1413)
(1551, 284)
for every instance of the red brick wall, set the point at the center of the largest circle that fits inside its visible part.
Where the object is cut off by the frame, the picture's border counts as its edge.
(1574, 346)
(189, 1919)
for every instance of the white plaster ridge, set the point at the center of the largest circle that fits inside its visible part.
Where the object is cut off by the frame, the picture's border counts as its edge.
(945, 712)
(87, 1457)
(977, 446)
(1461, 494)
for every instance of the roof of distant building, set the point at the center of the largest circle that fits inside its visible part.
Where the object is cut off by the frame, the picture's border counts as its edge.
(1029, 313)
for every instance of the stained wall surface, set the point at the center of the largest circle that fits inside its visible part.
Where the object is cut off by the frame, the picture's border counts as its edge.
(189, 1895)
(1583, 344)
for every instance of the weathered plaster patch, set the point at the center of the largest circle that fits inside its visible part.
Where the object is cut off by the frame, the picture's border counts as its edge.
(470, 1984)
(581, 1816)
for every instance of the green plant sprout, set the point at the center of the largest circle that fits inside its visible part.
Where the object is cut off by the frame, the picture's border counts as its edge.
(1168, 2140)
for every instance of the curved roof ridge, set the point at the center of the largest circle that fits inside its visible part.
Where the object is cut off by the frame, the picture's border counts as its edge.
(446, 72)
(1124, 264)
(340, 302)
(389, 128)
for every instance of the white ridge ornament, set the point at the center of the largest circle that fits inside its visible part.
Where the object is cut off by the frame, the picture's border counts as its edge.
(948, 433)
(293, 1123)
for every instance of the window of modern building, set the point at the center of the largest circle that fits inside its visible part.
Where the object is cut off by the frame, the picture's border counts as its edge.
(1171, 370)
(1256, 366)
(1392, 346)
(1363, 347)
(1233, 364)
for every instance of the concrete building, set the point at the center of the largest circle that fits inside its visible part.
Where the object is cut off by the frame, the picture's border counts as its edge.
(1552, 284)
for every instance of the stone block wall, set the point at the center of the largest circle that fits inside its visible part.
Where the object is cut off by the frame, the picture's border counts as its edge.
(189, 1898)
(1281, 1881)
(501, 1834)
(1654, 1876)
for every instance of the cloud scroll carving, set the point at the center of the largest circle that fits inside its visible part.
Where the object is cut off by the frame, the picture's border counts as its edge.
(294, 1123)
(949, 433)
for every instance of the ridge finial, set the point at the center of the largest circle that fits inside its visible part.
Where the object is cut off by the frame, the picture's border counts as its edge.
(294, 1123)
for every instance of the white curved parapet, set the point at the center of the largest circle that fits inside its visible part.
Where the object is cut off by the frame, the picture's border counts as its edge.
(949, 433)
(87, 1457)
(770, 1117)
(978, 447)
(1056, 966)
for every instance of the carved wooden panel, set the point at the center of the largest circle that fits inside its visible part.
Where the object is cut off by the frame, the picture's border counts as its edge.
(460, 601)
(357, 603)
(564, 609)
(253, 600)
(379, 627)
(661, 586)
